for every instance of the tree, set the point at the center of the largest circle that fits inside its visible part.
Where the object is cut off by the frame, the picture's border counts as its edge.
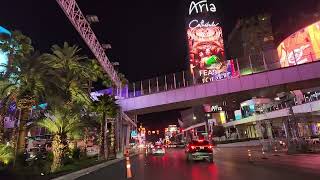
(72, 74)
(16, 47)
(63, 124)
(99, 74)
(106, 107)
(23, 84)
(3, 109)
(218, 131)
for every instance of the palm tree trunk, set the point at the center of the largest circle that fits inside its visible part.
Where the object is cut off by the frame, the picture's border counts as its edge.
(1, 129)
(106, 149)
(102, 140)
(58, 147)
(85, 139)
(22, 130)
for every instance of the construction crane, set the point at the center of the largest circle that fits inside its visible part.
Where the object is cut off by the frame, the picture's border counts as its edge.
(79, 21)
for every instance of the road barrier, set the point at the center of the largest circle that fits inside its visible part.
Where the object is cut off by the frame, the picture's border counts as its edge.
(128, 164)
(263, 154)
(250, 156)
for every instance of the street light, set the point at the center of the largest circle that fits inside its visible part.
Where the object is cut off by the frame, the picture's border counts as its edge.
(92, 19)
(106, 46)
(194, 117)
(115, 63)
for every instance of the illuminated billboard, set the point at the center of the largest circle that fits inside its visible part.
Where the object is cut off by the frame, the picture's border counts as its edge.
(205, 42)
(301, 47)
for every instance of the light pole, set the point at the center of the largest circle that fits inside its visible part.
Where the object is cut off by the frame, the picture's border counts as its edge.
(92, 19)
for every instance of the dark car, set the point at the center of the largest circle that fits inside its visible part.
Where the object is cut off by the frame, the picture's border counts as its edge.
(199, 150)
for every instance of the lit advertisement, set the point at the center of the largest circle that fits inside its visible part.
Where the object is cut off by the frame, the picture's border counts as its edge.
(301, 47)
(205, 42)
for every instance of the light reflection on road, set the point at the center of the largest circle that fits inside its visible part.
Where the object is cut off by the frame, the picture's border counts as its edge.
(174, 165)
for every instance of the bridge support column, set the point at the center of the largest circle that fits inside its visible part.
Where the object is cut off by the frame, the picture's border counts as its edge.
(269, 130)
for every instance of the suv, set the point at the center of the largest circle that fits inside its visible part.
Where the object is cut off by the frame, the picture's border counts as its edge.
(199, 150)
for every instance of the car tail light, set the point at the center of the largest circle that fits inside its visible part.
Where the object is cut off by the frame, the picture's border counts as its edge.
(210, 147)
(193, 147)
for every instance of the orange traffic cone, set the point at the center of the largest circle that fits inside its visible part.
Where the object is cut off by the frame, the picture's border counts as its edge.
(264, 154)
(128, 166)
(249, 156)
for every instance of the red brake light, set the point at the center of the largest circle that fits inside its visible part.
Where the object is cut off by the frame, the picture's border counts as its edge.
(210, 147)
(193, 147)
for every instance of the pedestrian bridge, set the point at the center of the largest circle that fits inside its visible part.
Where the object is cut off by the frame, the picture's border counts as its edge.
(282, 79)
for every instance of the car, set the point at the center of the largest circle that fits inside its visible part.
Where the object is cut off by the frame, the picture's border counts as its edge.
(180, 145)
(158, 150)
(176, 145)
(199, 150)
(36, 153)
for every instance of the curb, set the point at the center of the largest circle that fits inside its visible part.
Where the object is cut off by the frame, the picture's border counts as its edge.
(82, 172)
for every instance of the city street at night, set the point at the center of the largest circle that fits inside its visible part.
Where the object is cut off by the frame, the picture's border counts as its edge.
(229, 164)
(160, 90)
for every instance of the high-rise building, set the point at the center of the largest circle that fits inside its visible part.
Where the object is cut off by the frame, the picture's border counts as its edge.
(250, 36)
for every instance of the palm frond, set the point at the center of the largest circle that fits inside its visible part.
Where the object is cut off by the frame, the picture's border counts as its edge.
(6, 154)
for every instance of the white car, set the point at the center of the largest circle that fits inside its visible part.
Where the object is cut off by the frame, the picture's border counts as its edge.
(158, 150)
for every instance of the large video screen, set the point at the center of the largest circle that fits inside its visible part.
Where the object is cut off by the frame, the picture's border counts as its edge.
(205, 42)
(301, 47)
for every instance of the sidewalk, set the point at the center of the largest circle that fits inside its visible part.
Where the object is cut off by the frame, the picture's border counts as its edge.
(241, 144)
(82, 172)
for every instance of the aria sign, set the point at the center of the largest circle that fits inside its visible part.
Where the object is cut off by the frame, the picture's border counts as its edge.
(201, 6)
(216, 108)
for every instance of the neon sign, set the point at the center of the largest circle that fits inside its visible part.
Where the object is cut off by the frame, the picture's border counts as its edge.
(199, 24)
(201, 6)
(216, 108)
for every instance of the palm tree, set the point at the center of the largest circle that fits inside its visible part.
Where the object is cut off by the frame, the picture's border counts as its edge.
(2, 115)
(17, 46)
(62, 123)
(72, 73)
(24, 84)
(106, 108)
(6, 154)
(99, 74)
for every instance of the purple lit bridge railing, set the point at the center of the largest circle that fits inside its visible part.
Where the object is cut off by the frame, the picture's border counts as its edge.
(253, 64)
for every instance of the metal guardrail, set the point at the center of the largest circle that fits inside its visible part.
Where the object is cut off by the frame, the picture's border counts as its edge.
(255, 63)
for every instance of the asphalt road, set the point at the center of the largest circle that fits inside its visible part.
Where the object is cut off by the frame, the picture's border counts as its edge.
(229, 164)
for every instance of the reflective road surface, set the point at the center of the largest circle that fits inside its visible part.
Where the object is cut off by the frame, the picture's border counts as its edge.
(229, 164)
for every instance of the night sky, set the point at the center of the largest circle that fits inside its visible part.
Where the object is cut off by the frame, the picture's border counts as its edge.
(147, 36)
